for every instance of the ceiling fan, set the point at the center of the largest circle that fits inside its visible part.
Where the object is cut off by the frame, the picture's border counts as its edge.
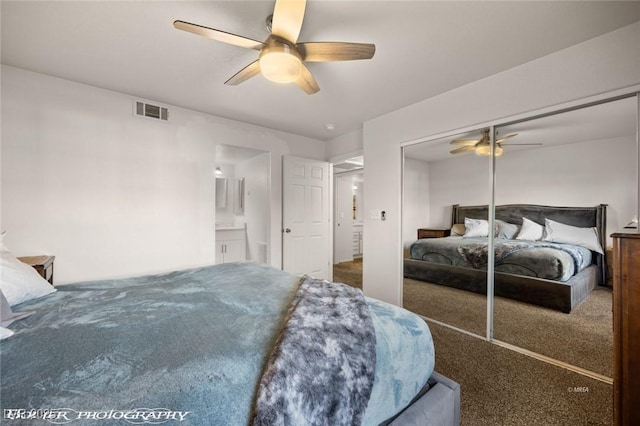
(281, 56)
(482, 146)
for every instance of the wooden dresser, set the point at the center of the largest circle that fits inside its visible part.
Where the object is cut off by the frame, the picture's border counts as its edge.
(626, 328)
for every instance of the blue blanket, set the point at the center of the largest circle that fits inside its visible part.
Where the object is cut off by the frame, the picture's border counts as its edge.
(192, 342)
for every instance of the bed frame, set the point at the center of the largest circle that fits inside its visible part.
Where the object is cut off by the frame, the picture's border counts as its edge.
(437, 404)
(561, 296)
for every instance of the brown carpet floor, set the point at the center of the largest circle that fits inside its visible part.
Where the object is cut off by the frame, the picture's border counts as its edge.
(583, 338)
(459, 308)
(500, 386)
(349, 273)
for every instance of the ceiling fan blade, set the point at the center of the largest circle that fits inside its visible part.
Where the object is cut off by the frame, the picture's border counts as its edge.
(463, 149)
(335, 51)
(507, 137)
(244, 74)
(306, 81)
(520, 144)
(287, 19)
(218, 35)
(464, 141)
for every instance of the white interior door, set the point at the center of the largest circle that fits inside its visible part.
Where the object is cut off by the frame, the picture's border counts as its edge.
(305, 217)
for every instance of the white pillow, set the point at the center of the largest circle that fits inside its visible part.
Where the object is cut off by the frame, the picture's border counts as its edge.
(2, 246)
(506, 230)
(7, 316)
(5, 332)
(476, 227)
(19, 282)
(530, 231)
(560, 233)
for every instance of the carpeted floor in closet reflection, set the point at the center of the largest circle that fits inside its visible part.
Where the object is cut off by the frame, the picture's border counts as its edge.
(503, 387)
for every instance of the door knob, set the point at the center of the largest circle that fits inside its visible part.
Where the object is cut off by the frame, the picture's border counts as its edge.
(287, 230)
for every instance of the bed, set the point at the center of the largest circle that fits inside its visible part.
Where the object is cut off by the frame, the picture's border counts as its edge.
(205, 346)
(554, 275)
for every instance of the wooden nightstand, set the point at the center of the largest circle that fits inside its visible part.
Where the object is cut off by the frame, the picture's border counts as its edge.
(42, 264)
(609, 261)
(433, 233)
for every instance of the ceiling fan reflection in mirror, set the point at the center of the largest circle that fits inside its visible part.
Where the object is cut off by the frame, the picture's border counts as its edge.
(281, 57)
(482, 146)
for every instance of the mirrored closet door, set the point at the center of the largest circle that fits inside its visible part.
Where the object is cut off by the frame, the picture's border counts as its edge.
(440, 176)
(563, 184)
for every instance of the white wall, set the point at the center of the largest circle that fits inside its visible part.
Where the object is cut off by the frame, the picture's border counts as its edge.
(256, 173)
(600, 65)
(416, 199)
(111, 194)
(581, 174)
(345, 144)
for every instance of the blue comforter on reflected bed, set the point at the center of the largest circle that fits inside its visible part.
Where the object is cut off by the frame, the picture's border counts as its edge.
(540, 259)
(192, 341)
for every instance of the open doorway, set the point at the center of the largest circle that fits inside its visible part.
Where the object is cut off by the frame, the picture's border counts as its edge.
(348, 220)
(243, 205)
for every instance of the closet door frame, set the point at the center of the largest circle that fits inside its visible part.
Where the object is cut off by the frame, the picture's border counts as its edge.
(492, 125)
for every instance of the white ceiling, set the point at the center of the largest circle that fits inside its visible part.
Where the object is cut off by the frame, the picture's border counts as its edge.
(602, 122)
(423, 48)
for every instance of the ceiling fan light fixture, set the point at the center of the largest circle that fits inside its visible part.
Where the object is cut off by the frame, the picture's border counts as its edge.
(281, 57)
(280, 63)
(485, 150)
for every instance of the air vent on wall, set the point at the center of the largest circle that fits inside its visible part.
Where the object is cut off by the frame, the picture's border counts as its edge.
(152, 111)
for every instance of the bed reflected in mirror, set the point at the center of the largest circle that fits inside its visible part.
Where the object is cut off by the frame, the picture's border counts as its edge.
(563, 184)
(438, 174)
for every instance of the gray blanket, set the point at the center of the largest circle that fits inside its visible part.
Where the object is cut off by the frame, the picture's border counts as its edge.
(541, 259)
(332, 387)
(476, 254)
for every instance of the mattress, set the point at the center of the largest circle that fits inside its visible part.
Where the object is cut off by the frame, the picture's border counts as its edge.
(540, 259)
(193, 341)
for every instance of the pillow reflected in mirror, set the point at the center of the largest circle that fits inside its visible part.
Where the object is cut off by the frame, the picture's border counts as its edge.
(458, 229)
(476, 227)
(557, 232)
(530, 231)
(506, 230)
